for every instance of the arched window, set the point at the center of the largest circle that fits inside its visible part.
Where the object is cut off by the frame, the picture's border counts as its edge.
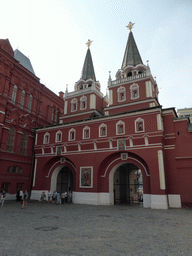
(10, 139)
(72, 134)
(139, 125)
(58, 137)
(134, 90)
(121, 94)
(52, 115)
(86, 132)
(74, 105)
(14, 94)
(46, 138)
(23, 144)
(30, 103)
(83, 102)
(120, 128)
(22, 99)
(56, 115)
(103, 130)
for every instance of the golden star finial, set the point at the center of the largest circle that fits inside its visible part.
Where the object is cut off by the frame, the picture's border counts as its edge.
(89, 43)
(130, 25)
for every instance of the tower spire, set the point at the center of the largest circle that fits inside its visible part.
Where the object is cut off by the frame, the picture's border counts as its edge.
(88, 69)
(131, 55)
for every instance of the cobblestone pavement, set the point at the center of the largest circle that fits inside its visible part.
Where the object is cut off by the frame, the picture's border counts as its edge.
(46, 229)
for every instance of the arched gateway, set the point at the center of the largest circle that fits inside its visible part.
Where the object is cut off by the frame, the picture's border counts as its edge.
(128, 185)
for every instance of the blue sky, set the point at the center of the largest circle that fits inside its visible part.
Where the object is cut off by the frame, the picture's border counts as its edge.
(53, 34)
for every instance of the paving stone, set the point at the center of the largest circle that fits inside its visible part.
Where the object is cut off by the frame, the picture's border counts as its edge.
(46, 229)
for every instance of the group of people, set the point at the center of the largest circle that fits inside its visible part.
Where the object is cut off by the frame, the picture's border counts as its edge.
(3, 194)
(56, 198)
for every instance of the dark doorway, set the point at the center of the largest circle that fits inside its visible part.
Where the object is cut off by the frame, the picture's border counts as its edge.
(128, 185)
(65, 180)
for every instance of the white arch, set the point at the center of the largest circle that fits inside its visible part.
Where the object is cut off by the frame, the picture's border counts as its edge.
(119, 158)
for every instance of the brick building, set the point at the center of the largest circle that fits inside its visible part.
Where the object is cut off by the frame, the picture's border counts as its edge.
(25, 104)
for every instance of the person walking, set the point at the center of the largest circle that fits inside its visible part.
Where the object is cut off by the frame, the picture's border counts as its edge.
(70, 197)
(25, 197)
(3, 194)
(49, 196)
(58, 198)
(63, 197)
(66, 196)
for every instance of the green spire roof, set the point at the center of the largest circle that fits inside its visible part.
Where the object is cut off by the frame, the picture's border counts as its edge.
(88, 69)
(131, 55)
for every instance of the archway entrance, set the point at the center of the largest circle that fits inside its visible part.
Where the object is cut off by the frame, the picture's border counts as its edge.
(64, 180)
(128, 185)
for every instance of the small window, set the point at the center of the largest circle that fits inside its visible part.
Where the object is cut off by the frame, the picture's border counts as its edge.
(30, 103)
(121, 94)
(59, 150)
(71, 135)
(46, 138)
(74, 105)
(23, 144)
(58, 137)
(22, 99)
(14, 169)
(14, 94)
(86, 132)
(120, 128)
(102, 130)
(134, 90)
(129, 74)
(10, 139)
(139, 125)
(5, 186)
(83, 102)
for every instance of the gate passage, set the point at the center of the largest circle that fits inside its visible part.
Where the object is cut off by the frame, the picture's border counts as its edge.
(128, 185)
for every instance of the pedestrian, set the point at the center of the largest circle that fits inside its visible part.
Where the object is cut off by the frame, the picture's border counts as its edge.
(70, 197)
(58, 198)
(63, 197)
(49, 196)
(66, 196)
(3, 194)
(43, 196)
(54, 197)
(25, 196)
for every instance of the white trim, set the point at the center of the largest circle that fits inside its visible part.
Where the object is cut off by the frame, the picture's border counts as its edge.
(159, 122)
(159, 202)
(74, 102)
(83, 99)
(120, 90)
(161, 169)
(56, 136)
(100, 132)
(146, 200)
(66, 161)
(134, 87)
(120, 123)
(91, 198)
(86, 128)
(174, 201)
(34, 175)
(69, 134)
(119, 158)
(65, 107)
(110, 97)
(1, 112)
(139, 120)
(46, 134)
(92, 101)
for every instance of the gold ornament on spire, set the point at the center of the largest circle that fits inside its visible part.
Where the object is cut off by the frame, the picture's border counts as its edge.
(89, 43)
(130, 25)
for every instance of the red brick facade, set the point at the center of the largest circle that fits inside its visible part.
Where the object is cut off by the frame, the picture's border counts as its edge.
(25, 104)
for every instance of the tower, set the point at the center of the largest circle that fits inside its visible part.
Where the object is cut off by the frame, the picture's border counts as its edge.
(134, 87)
(86, 101)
